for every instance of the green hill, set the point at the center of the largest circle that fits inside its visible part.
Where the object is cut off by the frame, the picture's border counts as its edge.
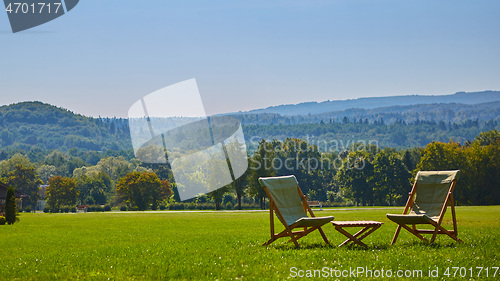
(28, 124)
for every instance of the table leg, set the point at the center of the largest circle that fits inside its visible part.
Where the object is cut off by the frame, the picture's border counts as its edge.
(351, 237)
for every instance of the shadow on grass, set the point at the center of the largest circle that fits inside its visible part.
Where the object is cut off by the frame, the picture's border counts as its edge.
(315, 246)
(354, 247)
(427, 245)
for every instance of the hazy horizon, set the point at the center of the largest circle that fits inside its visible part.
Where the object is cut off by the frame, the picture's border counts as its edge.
(103, 116)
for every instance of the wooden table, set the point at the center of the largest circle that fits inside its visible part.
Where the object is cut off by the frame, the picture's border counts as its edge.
(368, 228)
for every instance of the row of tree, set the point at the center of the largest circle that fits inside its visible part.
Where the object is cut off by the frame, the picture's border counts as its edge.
(367, 175)
(363, 174)
(141, 190)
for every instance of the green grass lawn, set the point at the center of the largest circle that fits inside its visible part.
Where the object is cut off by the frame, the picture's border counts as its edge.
(227, 246)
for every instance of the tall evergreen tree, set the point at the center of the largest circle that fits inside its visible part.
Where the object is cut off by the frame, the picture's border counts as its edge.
(10, 206)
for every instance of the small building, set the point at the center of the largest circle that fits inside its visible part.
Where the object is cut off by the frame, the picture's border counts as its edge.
(3, 194)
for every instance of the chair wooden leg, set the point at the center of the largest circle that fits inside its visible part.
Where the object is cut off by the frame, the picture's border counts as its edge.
(269, 241)
(324, 236)
(414, 232)
(441, 230)
(396, 234)
(434, 235)
(292, 238)
(451, 234)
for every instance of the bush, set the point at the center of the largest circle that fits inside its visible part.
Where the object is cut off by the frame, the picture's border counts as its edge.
(228, 198)
(2, 220)
(95, 208)
(107, 208)
(229, 206)
(333, 197)
(251, 206)
(123, 208)
(46, 210)
(10, 206)
(247, 200)
(27, 209)
(135, 208)
(72, 209)
(338, 204)
(202, 199)
(65, 209)
(176, 206)
(205, 206)
(163, 207)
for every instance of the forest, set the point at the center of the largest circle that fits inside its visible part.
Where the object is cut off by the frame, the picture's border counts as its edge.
(360, 175)
(339, 162)
(43, 127)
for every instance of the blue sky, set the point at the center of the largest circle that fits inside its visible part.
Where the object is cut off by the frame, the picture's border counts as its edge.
(103, 56)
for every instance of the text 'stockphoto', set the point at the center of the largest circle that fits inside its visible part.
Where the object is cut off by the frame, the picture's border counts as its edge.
(205, 153)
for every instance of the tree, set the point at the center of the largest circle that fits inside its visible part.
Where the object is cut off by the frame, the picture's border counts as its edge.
(25, 180)
(354, 178)
(260, 166)
(479, 163)
(7, 166)
(390, 178)
(142, 190)
(166, 190)
(438, 156)
(46, 172)
(93, 190)
(408, 161)
(215, 178)
(312, 169)
(114, 167)
(217, 194)
(239, 167)
(84, 185)
(60, 161)
(239, 186)
(61, 191)
(10, 206)
(487, 138)
(162, 193)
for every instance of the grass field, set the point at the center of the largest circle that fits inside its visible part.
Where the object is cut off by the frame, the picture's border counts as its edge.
(227, 246)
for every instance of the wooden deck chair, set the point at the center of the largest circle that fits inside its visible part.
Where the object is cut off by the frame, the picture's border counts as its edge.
(290, 205)
(429, 198)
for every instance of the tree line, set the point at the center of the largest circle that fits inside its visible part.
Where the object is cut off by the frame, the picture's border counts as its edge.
(361, 174)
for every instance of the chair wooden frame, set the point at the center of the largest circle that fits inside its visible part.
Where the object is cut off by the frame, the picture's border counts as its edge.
(438, 229)
(288, 232)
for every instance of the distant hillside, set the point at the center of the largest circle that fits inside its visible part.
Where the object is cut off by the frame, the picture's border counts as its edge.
(447, 112)
(336, 136)
(377, 102)
(27, 124)
(35, 126)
